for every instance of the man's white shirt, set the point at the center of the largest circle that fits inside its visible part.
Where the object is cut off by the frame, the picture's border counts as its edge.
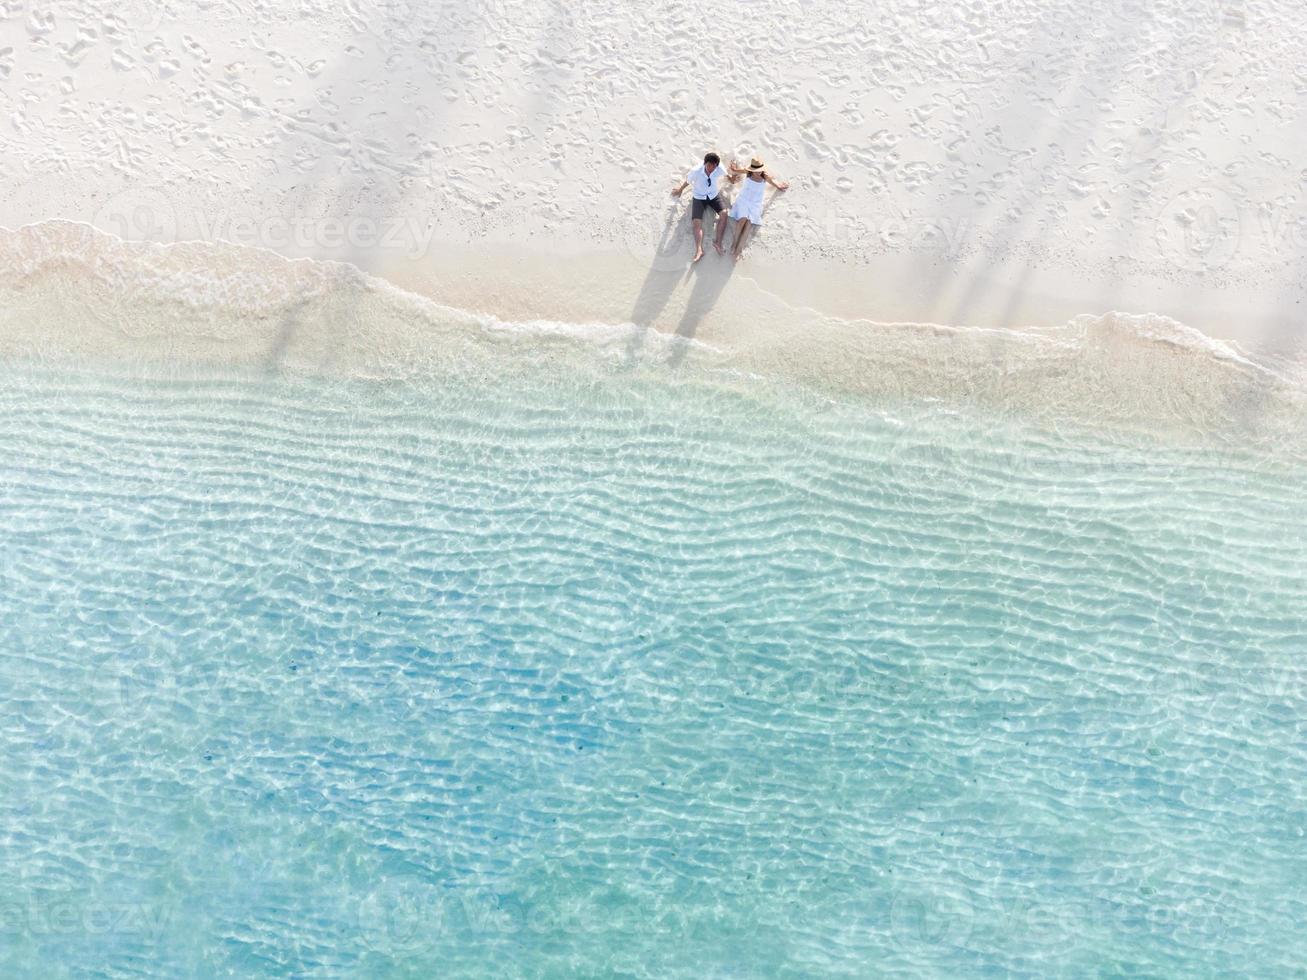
(706, 186)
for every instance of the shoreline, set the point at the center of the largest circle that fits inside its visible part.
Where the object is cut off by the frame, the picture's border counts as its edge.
(638, 270)
(69, 291)
(719, 298)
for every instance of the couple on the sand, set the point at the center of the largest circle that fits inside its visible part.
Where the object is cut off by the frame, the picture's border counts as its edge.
(706, 182)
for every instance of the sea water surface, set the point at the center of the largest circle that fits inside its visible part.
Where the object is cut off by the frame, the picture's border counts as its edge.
(620, 673)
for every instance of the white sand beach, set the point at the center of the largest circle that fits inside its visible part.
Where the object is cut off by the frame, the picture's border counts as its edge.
(1011, 164)
(415, 566)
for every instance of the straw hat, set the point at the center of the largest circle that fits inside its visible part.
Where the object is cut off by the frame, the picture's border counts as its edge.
(755, 166)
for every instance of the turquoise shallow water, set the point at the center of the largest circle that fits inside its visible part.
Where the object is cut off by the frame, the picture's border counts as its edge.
(597, 674)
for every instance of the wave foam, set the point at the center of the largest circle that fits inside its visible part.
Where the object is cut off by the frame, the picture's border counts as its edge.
(68, 289)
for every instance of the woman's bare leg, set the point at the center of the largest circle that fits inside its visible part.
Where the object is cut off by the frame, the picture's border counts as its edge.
(741, 236)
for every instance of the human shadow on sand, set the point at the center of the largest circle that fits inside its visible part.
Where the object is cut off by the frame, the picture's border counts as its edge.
(670, 269)
(710, 278)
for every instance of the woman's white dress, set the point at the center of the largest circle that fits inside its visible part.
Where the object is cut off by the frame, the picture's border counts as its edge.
(749, 202)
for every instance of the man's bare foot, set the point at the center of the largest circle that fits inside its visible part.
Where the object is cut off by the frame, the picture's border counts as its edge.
(720, 249)
(697, 255)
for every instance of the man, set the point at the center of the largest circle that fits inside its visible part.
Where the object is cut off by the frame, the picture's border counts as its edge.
(706, 185)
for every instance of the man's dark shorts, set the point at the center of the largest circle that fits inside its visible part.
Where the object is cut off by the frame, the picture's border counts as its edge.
(696, 209)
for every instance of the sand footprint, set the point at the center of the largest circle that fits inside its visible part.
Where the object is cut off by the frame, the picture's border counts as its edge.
(197, 49)
(40, 22)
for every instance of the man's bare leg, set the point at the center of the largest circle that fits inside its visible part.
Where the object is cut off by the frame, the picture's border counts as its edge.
(698, 239)
(720, 231)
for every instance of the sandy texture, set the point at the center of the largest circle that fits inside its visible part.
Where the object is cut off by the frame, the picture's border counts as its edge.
(989, 163)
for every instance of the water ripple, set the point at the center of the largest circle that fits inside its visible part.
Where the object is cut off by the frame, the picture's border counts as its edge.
(335, 678)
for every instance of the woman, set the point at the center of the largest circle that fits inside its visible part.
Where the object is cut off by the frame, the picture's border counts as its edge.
(747, 209)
